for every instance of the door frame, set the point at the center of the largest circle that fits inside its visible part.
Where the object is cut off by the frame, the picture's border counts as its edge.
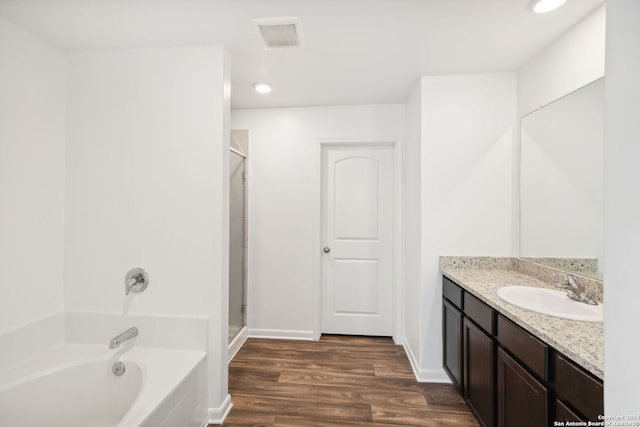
(397, 214)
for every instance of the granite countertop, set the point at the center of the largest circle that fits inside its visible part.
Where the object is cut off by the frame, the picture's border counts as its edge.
(583, 342)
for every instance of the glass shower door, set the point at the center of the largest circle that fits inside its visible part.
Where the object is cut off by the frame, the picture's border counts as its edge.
(237, 244)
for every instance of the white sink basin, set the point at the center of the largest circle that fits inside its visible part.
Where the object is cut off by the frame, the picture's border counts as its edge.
(552, 302)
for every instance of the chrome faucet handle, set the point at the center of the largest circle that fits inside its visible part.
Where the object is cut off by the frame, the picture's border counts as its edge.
(566, 284)
(573, 280)
(570, 282)
(136, 280)
(575, 289)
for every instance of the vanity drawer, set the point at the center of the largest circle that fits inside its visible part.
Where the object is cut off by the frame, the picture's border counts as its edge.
(452, 292)
(523, 345)
(479, 312)
(579, 388)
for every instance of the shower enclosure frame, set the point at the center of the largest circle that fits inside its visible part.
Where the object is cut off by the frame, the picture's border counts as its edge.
(237, 244)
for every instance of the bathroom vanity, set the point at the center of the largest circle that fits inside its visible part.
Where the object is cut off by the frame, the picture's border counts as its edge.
(513, 366)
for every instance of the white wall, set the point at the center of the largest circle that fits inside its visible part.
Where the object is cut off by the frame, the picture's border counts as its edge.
(147, 185)
(412, 251)
(32, 144)
(284, 205)
(467, 141)
(570, 62)
(622, 207)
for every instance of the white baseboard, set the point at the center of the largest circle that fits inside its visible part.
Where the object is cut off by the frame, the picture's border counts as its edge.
(237, 342)
(217, 415)
(412, 359)
(425, 375)
(281, 334)
(433, 376)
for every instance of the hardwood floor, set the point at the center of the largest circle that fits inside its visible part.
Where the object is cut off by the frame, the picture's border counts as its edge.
(337, 381)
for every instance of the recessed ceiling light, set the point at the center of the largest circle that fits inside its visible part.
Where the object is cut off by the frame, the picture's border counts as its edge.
(544, 6)
(262, 87)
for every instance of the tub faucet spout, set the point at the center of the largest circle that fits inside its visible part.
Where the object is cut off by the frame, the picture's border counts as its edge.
(124, 336)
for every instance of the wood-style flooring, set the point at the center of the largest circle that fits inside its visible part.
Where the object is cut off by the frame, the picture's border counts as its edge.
(337, 381)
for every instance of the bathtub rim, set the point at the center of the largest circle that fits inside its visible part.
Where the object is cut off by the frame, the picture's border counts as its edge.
(43, 371)
(154, 390)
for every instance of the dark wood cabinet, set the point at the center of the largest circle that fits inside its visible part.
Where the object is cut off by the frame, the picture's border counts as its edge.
(579, 389)
(528, 349)
(522, 400)
(479, 356)
(452, 345)
(564, 414)
(452, 292)
(481, 314)
(508, 376)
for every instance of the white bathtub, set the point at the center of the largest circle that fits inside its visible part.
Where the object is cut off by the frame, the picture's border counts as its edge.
(73, 385)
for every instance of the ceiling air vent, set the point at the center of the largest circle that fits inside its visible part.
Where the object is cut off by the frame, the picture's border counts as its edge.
(279, 33)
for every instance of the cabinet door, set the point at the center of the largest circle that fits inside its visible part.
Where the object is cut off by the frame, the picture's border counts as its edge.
(564, 414)
(452, 337)
(580, 389)
(522, 400)
(479, 387)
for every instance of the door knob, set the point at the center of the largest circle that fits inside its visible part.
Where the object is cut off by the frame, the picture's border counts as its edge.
(326, 249)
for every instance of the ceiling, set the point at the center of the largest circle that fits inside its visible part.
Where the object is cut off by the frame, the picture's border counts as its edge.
(355, 52)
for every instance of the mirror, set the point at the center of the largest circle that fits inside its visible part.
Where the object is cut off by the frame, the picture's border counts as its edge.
(561, 182)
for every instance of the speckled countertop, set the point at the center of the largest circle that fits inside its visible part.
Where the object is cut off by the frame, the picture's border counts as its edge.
(583, 342)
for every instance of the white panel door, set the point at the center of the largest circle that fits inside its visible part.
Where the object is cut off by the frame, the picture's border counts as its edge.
(357, 255)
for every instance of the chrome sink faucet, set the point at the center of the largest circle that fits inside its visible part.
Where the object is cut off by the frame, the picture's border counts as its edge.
(122, 337)
(575, 290)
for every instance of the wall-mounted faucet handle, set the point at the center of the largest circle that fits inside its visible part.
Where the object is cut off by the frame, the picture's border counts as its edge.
(136, 280)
